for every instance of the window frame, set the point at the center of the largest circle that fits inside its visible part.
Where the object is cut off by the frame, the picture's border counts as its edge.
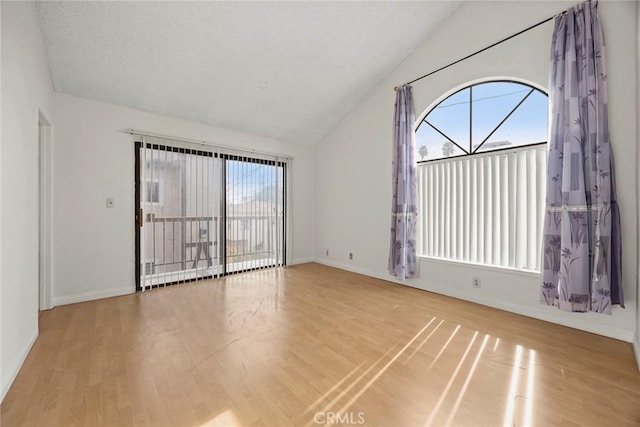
(469, 85)
(465, 263)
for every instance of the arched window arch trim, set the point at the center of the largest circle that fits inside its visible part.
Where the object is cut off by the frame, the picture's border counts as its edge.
(469, 151)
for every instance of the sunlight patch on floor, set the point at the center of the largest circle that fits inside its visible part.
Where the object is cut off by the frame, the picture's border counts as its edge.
(226, 419)
(528, 413)
(424, 340)
(463, 389)
(372, 380)
(336, 386)
(382, 371)
(513, 388)
(328, 406)
(444, 347)
(436, 408)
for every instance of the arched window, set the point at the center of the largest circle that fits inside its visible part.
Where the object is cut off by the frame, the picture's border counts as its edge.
(481, 175)
(483, 117)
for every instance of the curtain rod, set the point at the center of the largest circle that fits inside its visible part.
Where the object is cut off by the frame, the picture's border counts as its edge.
(483, 49)
(197, 142)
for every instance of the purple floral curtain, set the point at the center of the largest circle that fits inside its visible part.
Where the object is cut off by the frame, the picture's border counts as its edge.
(582, 240)
(404, 211)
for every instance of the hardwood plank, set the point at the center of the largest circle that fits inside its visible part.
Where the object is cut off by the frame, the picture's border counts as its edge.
(294, 346)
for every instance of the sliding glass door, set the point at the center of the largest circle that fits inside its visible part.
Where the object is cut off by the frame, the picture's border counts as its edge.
(206, 213)
(254, 213)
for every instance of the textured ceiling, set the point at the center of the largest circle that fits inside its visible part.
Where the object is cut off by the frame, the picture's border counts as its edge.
(286, 70)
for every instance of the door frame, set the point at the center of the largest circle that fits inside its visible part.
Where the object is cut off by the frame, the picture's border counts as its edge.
(45, 186)
(137, 223)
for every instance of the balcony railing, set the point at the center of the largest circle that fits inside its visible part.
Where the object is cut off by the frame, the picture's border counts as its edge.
(182, 248)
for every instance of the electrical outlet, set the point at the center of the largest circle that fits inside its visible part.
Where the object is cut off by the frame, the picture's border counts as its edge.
(350, 255)
(475, 282)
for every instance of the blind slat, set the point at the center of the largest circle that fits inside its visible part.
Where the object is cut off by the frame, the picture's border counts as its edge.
(484, 209)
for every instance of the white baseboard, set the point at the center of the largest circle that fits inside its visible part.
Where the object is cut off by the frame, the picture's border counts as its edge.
(13, 370)
(301, 261)
(92, 295)
(636, 348)
(581, 324)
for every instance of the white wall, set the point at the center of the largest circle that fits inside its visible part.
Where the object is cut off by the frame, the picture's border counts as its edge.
(354, 161)
(26, 88)
(636, 342)
(93, 247)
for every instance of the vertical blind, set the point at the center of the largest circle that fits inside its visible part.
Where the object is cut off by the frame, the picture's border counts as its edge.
(485, 209)
(207, 211)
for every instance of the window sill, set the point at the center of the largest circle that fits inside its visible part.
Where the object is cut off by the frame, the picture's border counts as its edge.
(494, 268)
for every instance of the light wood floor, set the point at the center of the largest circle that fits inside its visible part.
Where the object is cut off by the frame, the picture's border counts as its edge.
(293, 346)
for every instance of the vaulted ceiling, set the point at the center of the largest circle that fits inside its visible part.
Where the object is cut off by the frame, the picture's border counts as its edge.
(285, 70)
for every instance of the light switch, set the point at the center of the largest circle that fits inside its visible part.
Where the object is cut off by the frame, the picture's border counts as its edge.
(110, 202)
